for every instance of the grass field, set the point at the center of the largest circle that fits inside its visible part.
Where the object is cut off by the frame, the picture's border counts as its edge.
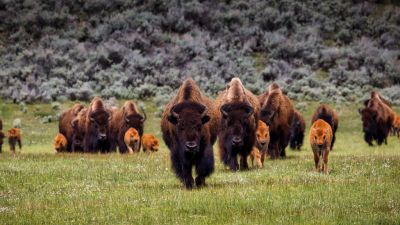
(40, 187)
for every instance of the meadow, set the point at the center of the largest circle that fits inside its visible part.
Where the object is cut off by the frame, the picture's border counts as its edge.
(38, 186)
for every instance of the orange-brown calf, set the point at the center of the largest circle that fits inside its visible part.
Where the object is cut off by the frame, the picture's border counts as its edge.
(320, 140)
(150, 143)
(60, 143)
(260, 149)
(396, 126)
(131, 139)
(14, 137)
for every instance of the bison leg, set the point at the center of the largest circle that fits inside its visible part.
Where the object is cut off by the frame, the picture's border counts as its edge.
(243, 162)
(233, 163)
(325, 158)
(204, 167)
(316, 161)
(187, 175)
(122, 146)
(333, 140)
(1, 148)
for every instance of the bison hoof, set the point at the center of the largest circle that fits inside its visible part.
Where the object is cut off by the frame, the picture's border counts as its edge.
(200, 182)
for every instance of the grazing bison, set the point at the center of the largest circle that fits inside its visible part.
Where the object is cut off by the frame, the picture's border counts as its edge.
(150, 143)
(377, 118)
(321, 136)
(123, 119)
(297, 131)
(14, 137)
(239, 110)
(60, 143)
(260, 149)
(277, 112)
(96, 127)
(2, 136)
(131, 139)
(327, 114)
(65, 124)
(189, 128)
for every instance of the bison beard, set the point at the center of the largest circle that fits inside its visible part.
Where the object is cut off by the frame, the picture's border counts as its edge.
(237, 134)
(190, 143)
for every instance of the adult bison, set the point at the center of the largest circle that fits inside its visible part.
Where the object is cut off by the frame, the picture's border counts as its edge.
(65, 124)
(377, 118)
(277, 112)
(297, 131)
(122, 119)
(79, 128)
(327, 114)
(96, 127)
(189, 128)
(239, 110)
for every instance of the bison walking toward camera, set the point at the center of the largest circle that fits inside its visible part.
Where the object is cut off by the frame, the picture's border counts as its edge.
(150, 143)
(297, 131)
(321, 136)
(189, 128)
(65, 124)
(377, 118)
(277, 112)
(260, 149)
(131, 140)
(122, 119)
(327, 114)
(238, 110)
(96, 127)
(14, 137)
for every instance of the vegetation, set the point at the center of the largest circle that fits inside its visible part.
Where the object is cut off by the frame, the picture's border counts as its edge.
(38, 186)
(317, 50)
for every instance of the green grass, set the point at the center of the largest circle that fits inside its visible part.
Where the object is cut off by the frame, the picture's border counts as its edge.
(39, 187)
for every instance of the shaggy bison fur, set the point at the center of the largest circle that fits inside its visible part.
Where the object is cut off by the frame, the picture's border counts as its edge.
(277, 112)
(123, 119)
(65, 124)
(239, 110)
(189, 130)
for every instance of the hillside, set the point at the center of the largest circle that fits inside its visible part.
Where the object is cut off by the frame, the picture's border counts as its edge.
(333, 51)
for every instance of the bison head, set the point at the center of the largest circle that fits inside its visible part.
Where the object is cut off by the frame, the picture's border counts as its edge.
(99, 122)
(319, 136)
(133, 119)
(270, 108)
(262, 134)
(188, 119)
(369, 120)
(235, 121)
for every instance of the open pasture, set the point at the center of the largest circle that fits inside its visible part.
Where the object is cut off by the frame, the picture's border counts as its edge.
(38, 186)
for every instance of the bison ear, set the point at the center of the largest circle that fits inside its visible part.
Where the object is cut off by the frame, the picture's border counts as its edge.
(224, 110)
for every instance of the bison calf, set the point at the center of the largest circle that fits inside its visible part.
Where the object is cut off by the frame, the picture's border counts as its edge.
(131, 139)
(260, 149)
(327, 114)
(321, 140)
(60, 143)
(150, 143)
(14, 137)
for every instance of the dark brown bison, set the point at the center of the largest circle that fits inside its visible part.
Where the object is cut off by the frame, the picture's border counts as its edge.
(377, 118)
(2, 136)
(239, 110)
(96, 127)
(79, 127)
(189, 128)
(14, 137)
(327, 114)
(122, 119)
(297, 131)
(65, 123)
(277, 112)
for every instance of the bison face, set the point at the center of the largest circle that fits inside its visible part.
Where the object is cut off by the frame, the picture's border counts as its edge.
(320, 138)
(154, 145)
(188, 119)
(270, 108)
(368, 117)
(262, 134)
(236, 123)
(99, 122)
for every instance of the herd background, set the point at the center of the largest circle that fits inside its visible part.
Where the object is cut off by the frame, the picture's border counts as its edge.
(336, 51)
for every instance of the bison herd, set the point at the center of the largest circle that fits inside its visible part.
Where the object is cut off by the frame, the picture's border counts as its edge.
(245, 126)
(99, 128)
